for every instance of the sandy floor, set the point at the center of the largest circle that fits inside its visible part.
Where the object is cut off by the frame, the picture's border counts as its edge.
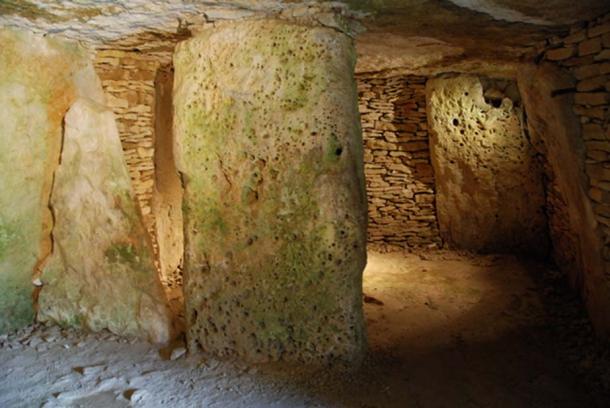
(445, 330)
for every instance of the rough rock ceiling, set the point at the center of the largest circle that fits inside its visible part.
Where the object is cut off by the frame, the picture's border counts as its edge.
(537, 11)
(392, 33)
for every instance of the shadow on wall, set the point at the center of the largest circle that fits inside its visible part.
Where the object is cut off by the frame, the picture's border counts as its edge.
(167, 197)
(553, 122)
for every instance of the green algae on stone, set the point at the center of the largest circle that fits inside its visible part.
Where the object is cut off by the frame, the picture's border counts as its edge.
(268, 142)
(7, 236)
(122, 253)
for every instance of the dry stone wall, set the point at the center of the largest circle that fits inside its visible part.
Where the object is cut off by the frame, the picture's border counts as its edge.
(129, 69)
(399, 175)
(585, 53)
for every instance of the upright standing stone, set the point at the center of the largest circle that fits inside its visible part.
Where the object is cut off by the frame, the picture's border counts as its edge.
(101, 273)
(269, 145)
(490, 195)
(38, 82)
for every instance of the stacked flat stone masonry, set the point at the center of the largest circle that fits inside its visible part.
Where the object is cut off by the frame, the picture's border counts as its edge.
(399, 176)
(586, 53)
(128, 70)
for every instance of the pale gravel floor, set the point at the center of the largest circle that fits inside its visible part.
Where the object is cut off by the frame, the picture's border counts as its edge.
(453, 331)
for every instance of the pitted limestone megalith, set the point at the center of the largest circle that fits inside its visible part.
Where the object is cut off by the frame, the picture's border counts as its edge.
(269, 145)
(490, 195)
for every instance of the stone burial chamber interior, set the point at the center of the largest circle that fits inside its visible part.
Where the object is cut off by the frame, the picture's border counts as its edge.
(253, 238)
(214, 171)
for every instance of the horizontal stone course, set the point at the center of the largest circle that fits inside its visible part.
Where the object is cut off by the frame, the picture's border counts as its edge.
(591, 70)
(592, 98)
(598, 30)
(593, 84)
(560, 54)
(588, 47)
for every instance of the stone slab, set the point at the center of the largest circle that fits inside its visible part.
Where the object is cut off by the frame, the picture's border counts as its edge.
(101, 273)
(269, 145)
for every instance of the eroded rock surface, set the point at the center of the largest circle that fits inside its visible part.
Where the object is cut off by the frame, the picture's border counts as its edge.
(38, 80)
(101, 273)
(490, 195)
(269, 144)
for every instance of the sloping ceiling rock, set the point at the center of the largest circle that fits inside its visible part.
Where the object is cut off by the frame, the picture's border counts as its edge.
(546, 12)
(395, 33)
